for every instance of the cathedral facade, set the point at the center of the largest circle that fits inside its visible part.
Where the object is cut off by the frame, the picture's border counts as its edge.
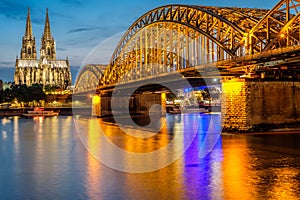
(46, 70)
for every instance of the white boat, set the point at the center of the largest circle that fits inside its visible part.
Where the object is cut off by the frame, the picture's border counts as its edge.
(40, 112)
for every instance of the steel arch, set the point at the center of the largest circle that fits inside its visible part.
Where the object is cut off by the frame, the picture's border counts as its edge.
(196, 17)
(239, 32)
(226, 27)
(88, 77)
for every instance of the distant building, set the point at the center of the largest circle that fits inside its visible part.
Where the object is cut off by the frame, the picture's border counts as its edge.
(46, 70)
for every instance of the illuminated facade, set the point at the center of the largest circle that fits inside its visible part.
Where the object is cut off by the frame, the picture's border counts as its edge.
(46, 70)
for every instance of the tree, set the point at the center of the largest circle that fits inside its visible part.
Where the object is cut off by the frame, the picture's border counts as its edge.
(51, 88)
(2, 96)
(37, 92)
(211, 93)
(23, 93)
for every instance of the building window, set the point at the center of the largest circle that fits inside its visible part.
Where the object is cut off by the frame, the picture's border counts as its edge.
(29, 50)
(48, 51)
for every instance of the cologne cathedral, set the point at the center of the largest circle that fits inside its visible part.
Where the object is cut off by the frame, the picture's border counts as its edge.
(46, 70)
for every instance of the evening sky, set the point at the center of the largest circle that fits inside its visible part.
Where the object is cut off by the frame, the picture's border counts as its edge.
(78, 26)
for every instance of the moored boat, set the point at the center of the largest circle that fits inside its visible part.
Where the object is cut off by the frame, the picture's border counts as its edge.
(40, 112)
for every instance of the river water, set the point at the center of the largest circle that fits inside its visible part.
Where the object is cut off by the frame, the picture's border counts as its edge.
(54, 158)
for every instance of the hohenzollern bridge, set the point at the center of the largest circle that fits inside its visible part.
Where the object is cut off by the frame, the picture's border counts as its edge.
(254, 54)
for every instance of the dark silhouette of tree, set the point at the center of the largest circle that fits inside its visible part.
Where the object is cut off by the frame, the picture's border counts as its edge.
(23, 93)
(51, 88)
(37, 93)
(1, 96)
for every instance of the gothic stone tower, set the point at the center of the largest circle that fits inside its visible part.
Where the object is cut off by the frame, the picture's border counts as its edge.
(47, 42)
(28, 50)
(46, 70)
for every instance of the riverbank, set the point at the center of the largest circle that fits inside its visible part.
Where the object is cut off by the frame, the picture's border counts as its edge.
(266, 128)
(269, 132)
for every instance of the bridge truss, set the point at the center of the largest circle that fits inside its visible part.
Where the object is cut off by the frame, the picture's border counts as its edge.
(179, 38)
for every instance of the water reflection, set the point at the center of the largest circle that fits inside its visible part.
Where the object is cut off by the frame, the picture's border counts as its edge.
(235, 167)
(48, 161)
(254, 170)
(16, 133)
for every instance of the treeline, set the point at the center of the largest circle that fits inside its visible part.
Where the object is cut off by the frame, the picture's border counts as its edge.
(23, 93)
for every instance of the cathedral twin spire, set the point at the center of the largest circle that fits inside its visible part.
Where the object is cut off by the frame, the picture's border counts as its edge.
(28, 50)
(47, 32)
(47, 50)
(28, 32)
(48, 44)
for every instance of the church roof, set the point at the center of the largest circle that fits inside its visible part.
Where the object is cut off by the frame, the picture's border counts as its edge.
(59, 63)
(28, 63)
(36, 63)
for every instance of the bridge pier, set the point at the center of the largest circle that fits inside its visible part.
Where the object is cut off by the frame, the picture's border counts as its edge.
(145, 101)
(251, 105)
(138, 104)
(100, 105)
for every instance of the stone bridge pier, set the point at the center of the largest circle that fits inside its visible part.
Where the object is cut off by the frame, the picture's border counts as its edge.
(260, 105)
(138, 104)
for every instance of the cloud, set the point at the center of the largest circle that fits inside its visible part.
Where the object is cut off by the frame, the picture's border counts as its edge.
(76, 30)
(61, 49)
(6, 64)
(18, 11)
(73, 2)
(87, 38)
(38, 21)
(13, 10)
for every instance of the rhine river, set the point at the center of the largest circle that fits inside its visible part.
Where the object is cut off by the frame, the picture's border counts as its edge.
(46, 158)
